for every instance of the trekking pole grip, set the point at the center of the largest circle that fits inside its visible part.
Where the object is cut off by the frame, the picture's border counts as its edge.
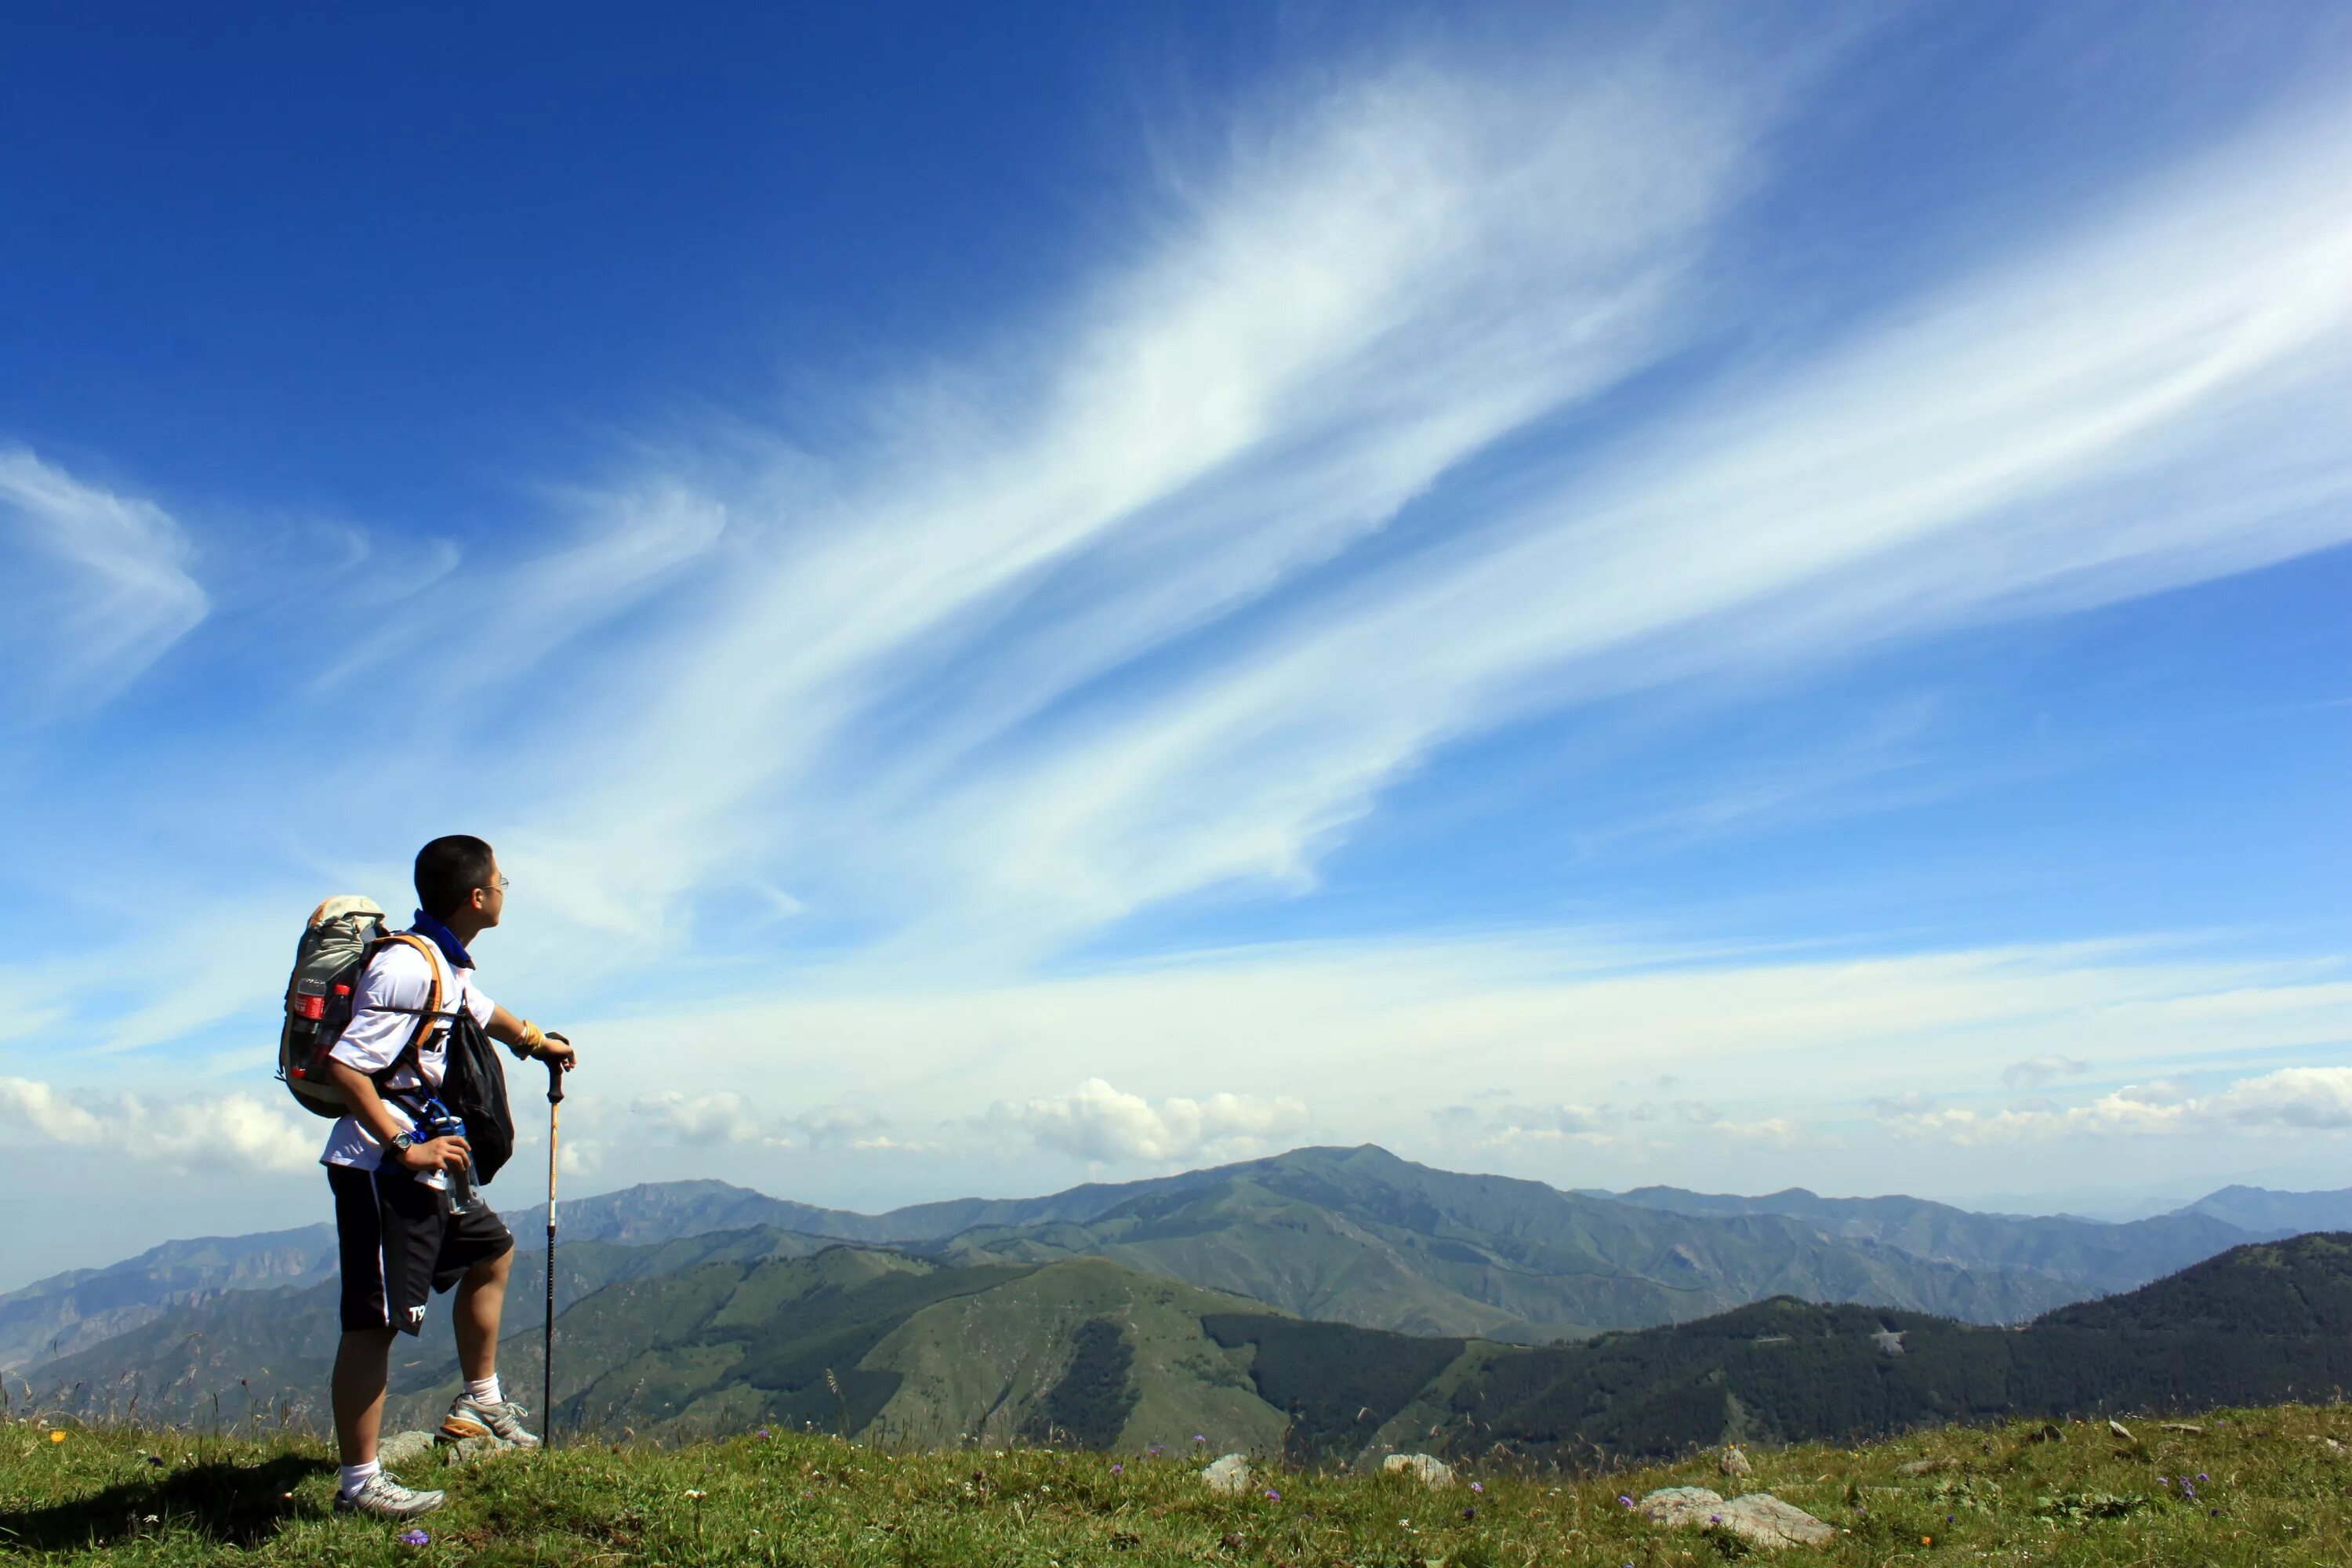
(555, 1076)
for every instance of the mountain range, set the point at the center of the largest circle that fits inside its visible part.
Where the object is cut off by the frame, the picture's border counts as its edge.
(735, 1329)
(1353, 1236)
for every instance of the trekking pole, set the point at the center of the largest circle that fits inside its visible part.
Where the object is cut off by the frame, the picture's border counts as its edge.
(547, 1361)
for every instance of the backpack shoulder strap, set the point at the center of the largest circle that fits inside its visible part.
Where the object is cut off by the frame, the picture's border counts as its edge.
(431, 1011)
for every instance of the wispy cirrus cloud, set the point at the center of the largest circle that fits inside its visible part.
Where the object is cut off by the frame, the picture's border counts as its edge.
(1151, 633)
(1408, 410)
(99, 582)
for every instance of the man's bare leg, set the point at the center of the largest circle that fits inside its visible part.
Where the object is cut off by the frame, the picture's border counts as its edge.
(481, 1301)
(361, 1363)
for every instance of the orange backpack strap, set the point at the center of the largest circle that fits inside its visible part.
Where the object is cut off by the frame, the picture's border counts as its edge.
(431, 1011)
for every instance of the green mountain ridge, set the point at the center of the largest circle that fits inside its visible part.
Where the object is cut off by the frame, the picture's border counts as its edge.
(1354, 1236)
(763, 1328)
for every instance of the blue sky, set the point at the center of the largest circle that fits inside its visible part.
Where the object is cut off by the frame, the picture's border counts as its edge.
(1726, 596)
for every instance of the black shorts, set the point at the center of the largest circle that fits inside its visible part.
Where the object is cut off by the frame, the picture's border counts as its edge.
(398, 1242)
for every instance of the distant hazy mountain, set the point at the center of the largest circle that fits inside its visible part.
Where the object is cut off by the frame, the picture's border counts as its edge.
(2087, 1257)
(1354, 1236)
(2292, 1213)
(1358, 1236)
(66, 1312)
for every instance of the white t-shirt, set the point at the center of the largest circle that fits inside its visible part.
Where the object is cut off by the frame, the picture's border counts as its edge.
(399, 976)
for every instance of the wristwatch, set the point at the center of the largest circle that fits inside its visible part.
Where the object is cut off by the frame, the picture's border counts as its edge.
(402, 1143)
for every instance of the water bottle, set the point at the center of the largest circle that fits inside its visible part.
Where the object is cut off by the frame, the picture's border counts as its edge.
(437, 1122)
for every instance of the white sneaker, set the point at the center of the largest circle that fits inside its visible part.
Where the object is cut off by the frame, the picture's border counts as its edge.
(501, 1422)
(383, 1498)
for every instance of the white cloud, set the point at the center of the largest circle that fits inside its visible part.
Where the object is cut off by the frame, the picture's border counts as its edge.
(2289, 1099)
(97, 582)
(723, 1117)
(2151, 401)
(235, 1131)
(1099, 1124)
(2035, 1071)
(1355, 303)
(1507, 1124)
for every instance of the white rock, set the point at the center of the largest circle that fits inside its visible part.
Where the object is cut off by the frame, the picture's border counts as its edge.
(1758, 1518)
(1765, 1520)
(1229, 1475)
(1735, 1463)
(1428, 1471)
(404, 1448)
(2117, 1430)
(1674, 1506)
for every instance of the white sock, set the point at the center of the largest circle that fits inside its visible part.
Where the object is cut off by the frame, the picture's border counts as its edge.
(485, 1389)
(358, 1476)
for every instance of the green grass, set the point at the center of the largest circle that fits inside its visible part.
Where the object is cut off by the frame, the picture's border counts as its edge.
(2275, 1494)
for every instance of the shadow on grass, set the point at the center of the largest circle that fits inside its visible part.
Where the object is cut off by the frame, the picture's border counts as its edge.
(239, 1504)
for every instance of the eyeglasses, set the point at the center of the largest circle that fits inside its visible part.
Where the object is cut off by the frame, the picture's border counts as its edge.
(502, 884)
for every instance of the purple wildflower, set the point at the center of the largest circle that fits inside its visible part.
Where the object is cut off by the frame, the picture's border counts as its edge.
(414, 1538)
(1623, 1498)
(1714, 1519)
(1477, 1485)
(1119, 1469)
(2200, 1475)
(1198, 1438)
(1271, 1495)
(764, 1431)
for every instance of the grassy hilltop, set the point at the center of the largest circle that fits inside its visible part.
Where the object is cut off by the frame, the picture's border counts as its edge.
(2270, 1487)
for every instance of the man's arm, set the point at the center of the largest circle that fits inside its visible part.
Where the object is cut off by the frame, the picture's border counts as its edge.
(367, 1107)
(529, 1039)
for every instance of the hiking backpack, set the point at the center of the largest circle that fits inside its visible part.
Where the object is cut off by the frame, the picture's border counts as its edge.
(343, 934)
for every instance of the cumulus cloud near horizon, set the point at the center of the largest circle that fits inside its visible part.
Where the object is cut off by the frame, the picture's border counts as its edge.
(2304, 1099)
(234, 1130)
(724, 1116)
(1099, 1124)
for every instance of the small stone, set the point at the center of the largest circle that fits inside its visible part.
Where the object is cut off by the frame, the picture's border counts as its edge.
(1234, 1541)
(404, 1448)
(1926, 1467)
(2190, 1427)
(2117, 1430)
(1676, 1506)
(2048, 1432)
(1229, 1476)
(1763, 1520)
(1429, 1471)
(1735, 1463)
(1757, 1518)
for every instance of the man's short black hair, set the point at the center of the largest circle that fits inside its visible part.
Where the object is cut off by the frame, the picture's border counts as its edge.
(448, 870)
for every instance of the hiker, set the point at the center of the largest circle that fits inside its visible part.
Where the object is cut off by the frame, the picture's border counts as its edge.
(397, 1236)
